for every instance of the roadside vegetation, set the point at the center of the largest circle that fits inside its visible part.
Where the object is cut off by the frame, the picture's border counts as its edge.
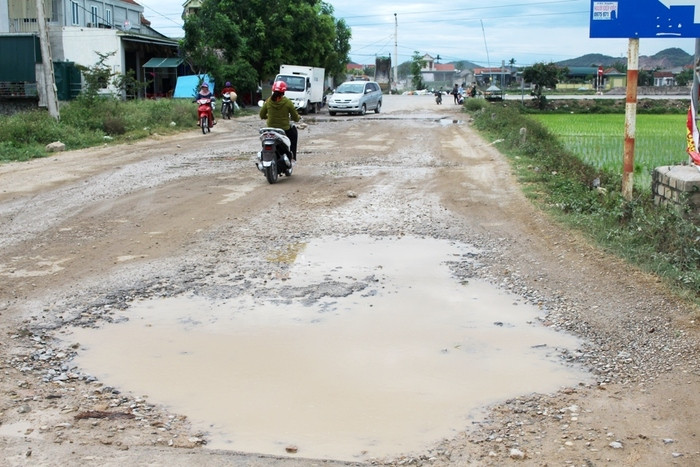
(93, 122)
(598, 140)
(588, 197)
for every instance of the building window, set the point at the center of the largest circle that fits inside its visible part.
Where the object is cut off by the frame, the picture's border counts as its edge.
(74, 8)
(108, 17)
(93, 16)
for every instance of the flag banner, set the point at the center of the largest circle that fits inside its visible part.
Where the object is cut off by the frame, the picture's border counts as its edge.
(692, 136)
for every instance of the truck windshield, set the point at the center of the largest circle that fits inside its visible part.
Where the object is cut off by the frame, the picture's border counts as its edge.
(294, 83)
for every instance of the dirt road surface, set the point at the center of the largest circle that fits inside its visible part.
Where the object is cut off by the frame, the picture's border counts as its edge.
(83, 234)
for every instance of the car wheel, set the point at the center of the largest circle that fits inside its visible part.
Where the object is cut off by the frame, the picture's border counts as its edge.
(332, 114)
(363, 109)
(378, 108)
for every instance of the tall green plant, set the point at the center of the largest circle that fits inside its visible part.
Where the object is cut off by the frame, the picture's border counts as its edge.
(417, 64)
(129, 85)
(96, 77)
(543, 76)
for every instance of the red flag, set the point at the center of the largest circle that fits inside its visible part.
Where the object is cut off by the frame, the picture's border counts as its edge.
(692, 136)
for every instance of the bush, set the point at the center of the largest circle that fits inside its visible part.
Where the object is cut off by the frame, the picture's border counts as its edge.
(114, 125)
(473, 105)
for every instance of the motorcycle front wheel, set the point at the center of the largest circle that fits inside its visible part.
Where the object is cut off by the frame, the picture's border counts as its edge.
(204, 123)
(271, 173)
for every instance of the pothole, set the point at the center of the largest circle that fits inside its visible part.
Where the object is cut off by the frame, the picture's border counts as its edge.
(411, 357)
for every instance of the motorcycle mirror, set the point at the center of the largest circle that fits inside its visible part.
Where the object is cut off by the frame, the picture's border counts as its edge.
(260, 103)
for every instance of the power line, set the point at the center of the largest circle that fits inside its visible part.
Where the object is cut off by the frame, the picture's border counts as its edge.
(454, 19)
(461, 20)
(452, 10)
(165, 16)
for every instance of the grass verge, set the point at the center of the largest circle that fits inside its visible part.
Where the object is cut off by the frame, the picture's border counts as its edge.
(657, 239)
(85, 123)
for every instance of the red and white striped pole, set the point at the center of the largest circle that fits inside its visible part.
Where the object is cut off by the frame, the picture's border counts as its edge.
(630, 118)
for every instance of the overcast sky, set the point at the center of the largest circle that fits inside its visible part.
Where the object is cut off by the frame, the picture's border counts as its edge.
(486, 33)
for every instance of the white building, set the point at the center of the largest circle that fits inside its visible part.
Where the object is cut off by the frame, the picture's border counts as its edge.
(78, 29)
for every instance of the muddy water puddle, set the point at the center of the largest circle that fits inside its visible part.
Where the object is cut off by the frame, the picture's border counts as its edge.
(395, 356)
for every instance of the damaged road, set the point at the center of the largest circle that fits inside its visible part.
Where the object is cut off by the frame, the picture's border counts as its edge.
(87, 234)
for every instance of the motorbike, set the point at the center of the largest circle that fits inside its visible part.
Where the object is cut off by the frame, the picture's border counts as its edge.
(438, 97)
(227, 108)
(206, 113)
(275, 156)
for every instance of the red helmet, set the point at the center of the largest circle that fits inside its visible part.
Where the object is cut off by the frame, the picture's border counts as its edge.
(279, 86)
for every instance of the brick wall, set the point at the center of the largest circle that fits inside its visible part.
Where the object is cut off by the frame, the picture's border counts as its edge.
(678, 185)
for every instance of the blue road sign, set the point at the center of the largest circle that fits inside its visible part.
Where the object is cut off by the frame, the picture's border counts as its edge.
(645, 18)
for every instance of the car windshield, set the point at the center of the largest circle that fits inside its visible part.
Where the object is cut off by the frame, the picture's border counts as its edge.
(351, 88)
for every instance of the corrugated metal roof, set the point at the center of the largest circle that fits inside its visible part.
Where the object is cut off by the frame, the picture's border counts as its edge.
(163, 63)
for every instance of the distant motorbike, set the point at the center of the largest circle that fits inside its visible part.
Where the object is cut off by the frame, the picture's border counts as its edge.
(275, 156)
(227, 109)
(438, 97)
(206, 114)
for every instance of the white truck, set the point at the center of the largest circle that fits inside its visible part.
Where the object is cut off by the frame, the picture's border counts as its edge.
(304, 86)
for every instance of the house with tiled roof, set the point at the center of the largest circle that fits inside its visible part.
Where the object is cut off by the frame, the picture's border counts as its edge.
(433, 71)
(664, 78)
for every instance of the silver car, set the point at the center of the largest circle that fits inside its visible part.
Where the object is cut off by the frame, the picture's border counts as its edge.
(356, 97)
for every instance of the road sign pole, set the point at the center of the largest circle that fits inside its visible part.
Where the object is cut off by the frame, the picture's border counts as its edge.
(630, 118)
(695, 90)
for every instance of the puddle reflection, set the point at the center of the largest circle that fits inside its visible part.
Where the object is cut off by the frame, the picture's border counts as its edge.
(411, 358)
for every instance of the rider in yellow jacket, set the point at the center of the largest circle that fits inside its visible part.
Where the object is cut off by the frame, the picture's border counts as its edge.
(279, 110)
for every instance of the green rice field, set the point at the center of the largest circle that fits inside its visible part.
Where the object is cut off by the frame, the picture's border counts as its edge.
(599, 140)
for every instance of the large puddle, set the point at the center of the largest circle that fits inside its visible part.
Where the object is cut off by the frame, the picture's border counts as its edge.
(393, 368)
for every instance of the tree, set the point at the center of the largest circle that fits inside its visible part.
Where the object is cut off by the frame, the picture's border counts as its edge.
(96, 77)
(684, 77)
(248, 44)
(543, 76)
(620, 66)
(417, 64)
(646, 77)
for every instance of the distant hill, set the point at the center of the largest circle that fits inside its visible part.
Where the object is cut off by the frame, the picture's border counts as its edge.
(465, 65)
(665, 59)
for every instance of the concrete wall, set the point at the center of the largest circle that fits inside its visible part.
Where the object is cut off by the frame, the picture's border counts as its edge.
(80, 46)
(677, 185)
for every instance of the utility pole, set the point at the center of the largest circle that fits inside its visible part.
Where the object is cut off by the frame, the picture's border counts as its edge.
(488, 60)
(47, 62)
(396, 51)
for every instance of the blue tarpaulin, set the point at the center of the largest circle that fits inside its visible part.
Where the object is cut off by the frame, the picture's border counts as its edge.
(188, 86)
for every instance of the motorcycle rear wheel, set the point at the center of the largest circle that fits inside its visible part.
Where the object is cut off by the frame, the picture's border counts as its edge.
(271, 173)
